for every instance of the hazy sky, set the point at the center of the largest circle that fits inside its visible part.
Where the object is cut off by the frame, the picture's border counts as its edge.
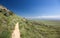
(34, 8)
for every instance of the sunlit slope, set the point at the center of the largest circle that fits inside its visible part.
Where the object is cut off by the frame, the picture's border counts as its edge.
(28, 29)
(7, 22)
(37, 30)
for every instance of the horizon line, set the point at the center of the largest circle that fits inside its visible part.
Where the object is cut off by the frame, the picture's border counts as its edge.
(44, 17)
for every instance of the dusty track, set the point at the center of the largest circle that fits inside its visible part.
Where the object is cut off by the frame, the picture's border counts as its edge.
(16, 32)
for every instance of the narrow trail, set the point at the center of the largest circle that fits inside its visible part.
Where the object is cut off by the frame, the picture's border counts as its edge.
(16, 32)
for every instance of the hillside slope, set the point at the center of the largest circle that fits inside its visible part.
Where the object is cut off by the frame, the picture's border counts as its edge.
(28, 29)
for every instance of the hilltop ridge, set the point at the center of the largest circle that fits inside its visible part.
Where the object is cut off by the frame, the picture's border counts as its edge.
(3, 7)
(5, 11)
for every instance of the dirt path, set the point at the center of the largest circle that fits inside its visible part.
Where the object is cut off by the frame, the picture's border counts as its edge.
(16, 32)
